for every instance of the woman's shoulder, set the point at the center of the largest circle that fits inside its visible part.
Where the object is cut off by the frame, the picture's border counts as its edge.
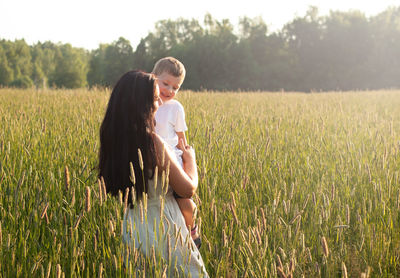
(157, 138)
(159, 142)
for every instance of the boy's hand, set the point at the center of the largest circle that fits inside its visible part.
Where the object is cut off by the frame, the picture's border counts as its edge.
(188, 151)
(181, 145)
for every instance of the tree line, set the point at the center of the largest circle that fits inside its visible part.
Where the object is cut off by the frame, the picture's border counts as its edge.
(339, 51)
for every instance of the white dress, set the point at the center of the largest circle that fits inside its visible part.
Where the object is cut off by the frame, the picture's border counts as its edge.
(143, 229)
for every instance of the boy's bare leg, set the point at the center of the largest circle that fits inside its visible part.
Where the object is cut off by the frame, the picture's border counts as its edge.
(188, 209)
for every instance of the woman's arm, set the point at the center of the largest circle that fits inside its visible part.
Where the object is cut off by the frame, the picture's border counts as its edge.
(189, 161)
(183, 181)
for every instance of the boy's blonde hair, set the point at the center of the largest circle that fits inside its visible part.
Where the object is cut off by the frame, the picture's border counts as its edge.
(171, 66)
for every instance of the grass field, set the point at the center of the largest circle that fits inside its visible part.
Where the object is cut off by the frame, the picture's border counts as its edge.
(291, 184)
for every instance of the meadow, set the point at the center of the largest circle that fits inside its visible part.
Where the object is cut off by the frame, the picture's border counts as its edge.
(291, 185)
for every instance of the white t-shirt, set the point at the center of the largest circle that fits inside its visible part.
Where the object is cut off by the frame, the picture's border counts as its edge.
(170, 119)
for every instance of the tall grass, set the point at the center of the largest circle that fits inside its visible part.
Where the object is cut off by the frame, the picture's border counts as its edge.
(291, 185)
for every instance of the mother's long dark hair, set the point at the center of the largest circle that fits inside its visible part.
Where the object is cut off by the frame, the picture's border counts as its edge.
(128, 126)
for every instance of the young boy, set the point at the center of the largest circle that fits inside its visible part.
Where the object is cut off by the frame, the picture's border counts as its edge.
(171, 125)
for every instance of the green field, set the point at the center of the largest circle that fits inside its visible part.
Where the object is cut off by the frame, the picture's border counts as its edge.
(279, 172)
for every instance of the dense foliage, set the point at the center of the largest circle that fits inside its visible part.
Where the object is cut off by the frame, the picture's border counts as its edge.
(340, 51)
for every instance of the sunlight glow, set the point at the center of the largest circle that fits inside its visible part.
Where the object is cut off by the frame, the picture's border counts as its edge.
(89, 23)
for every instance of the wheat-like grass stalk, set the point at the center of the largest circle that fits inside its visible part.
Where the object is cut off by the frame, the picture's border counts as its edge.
(78, 221)
(233, 200)
(282, 252)
(235, 217)
(66, 177)
(126, 196)
(87, 199)
(48, 269)
(349, 164)
(103, 184)
(325, 248)
(73, 197)
(132, 173)
(344, 270)
(140, 160)
(100, 191)
(164, 273)
(280, 272)
(58, 271)
(133, 194)
(100, 270)
(44, 211)
(112, 233)
(115, 262)
(155, 177)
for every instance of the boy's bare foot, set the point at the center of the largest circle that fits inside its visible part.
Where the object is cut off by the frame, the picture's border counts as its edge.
(196, 236)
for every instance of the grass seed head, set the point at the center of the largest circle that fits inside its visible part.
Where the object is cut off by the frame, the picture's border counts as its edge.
(78, 221)
(155, 178)
(164, 274)
(100, 191)
(234, 214)
(285, 207)
(48, 270)
(66, 176)
(44, 211)
(233, 199)
(115, 262)
(309, 254)
(291, 191)
(104, 189)
(58, 271)
(306, 201)
(344, 270)
(120, 198)
(292, 263)
(325, 247)
(126, 198)
(283, 254)
(111, 228)
(73, 197)
(132, 171)
(95, 243)
(140, 160)
(87, 200)
(100, 270)
(280, 272)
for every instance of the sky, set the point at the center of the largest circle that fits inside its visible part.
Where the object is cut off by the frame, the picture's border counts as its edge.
(88, 23)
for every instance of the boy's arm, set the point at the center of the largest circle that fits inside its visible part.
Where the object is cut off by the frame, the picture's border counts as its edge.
(180, 124)
(181, 136)
(184, 181)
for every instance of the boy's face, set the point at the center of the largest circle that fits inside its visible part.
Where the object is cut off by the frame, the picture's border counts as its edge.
(157, 98)
(169, 85)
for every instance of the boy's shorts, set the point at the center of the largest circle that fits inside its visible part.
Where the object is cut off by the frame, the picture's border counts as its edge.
(177, 196)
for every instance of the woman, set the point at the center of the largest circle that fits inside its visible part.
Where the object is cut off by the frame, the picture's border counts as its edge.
(127, 136)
